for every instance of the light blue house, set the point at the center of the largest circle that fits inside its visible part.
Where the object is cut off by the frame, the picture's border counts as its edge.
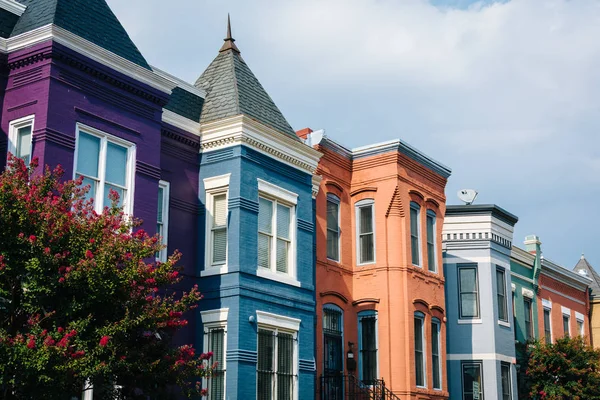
(256, 239)
(477, 242)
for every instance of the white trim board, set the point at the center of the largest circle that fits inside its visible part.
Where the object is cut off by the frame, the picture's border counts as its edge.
(13, 7)
(278, 321)
(212, 316)
(481, 356)
(178, 121)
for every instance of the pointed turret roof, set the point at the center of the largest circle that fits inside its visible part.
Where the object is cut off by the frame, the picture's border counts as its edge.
(583, 267)
(232, 89)
(92, 20)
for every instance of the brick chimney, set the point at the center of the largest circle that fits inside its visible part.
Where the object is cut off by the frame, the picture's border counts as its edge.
(303, 133)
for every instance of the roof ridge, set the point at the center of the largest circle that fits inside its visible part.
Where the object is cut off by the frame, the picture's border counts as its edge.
(235, 81)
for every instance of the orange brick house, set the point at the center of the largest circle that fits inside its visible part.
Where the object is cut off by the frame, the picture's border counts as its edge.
(379, 275)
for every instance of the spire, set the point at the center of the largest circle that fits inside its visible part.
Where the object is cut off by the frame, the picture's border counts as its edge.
(229, 40)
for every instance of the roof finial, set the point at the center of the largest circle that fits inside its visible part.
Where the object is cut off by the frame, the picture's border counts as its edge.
(582, 256)
(229, 40)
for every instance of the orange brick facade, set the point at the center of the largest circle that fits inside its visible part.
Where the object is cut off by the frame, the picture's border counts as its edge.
(391, 286)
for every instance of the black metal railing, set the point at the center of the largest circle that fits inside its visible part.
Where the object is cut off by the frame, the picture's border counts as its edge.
(348, 387)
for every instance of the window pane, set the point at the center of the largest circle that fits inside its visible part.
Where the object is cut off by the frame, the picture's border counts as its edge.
(333, 245)
(265, 215)
(161, 199)
(580, 328)
(419, 359)
(283, 221)
(120, 192)
(87, 155)
(92, 192)
(414, 249)
(471, 381)
(219, 245)
(285, 369)
(264, 245)
(368, 349)
(468, 278)
(430, 226)
(116, 164)
(435, 355)
(24, 143)
(367, 253)
(265, 365)
(219, 210)
(414, 221)
(506, 392)
(431, 260)
(332, 215)
(547, 331)
(468, 304)
(366, 219)
(501, 294)
(566, 325)
(282, 255)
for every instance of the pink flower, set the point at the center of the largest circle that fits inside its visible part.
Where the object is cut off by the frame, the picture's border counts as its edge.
(89, 254)
(31, 344)
(92, 240)
(61, 279)
(104, 341)
(32, 238)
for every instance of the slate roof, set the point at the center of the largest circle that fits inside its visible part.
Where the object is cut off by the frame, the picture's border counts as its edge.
(583, 267)
(186, 104)
(7, 22)
(92, 20)
(232, 89)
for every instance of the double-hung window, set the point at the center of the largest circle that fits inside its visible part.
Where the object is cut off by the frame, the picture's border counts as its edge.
(162, 218)
(436, 360)
(215, 341)
(333, 227)
(20, 134)
(505, 381)
(415, 237)
(547, 326)
(501, 294)
(217, 197)
(105, 163)
(579, 318)
(468, 287)
(277, 370)
(419, 332)
(276, 229)
(472, 380)
(431, 234)
(567, 323)
(528, 318)
(365, 235)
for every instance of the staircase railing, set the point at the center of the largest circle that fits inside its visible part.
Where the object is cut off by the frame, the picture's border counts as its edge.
(348, 387)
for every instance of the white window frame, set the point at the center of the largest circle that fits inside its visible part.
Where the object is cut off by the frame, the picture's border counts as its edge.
(278, 195)
(580, 318)
(332, 198)
(214, 186)
(547, 307)
(13, 130)
(432, 214)
(417, 207)
(438, 323)
(212, 319)
(280, 323)
(166, 187)
(458, 270)
(566, 312)
(127, 201)
(357, 206)
(501, 321)
(420, 316)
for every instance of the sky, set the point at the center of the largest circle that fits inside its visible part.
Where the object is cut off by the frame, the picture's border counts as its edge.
(505, 93)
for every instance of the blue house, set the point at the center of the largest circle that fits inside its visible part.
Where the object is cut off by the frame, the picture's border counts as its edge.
(477, 242)
(255, 239)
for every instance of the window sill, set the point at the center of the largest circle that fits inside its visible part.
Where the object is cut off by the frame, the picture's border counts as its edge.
(275, 276)
(504, 323)
(217, 270)
(366, 263)
(469, 321)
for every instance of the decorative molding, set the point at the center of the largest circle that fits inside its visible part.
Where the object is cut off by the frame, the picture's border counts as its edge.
(437, 308)
(565, 310)
(242, 130)
(277, 192)
(335, 294)
(278, 277)
(13, 7)
(170, 134)
(513, 287)
(547, 304)
(432, 201)
(179, 82)
(364, 301)
(421, 301)
(241, 202)
(316, 185)
(417, 193)
(278, 321)
(579, 316)
(240, 355)
(29, 76)
(307, 365)
(188, 125)
(186, 206)
(212, 316)
(147, 169)
(305, 225)
(18, 107)
(215, 182)
(563, 295)
(335, 185)
(53, 136)
(527, 293)
(363, 190)
(395, 208)
(90, 50)
(107, 121)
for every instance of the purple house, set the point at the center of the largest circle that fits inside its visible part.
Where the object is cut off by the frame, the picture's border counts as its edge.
(213, 167)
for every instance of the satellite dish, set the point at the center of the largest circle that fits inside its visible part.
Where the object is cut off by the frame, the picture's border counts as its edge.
(314, 138)
(467, 195)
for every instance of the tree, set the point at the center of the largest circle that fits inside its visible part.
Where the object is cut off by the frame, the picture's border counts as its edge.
(567, 369)
(82, 300)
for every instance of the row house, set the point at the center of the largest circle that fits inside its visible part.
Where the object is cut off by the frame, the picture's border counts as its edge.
(583, 267)
(213, 167)
(380, 286)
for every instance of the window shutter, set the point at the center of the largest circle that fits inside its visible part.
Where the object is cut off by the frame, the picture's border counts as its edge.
(264, 245)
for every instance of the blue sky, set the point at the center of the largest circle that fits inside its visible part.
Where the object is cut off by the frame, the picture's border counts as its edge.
(505, 93)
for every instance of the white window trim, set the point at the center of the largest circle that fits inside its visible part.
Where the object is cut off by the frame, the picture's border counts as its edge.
(129, 171)
(565, 310)
(276, 323)
(357, 206)
(417, 207)
(549, 309)
(547, 304)
(214, 186)
(579, 317)
(431, 213)
(439, 328)
(334, 199)
(215, 319)
(13, 129)
(527, 293)
(421, 316)
(503, 322)
(166, 186)
(478, 318)
(278, 195)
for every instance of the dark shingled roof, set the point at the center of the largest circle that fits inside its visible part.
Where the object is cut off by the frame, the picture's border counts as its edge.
(186, 104)
(7, 22)
(232, 89)
(584, 268)
(92, 20)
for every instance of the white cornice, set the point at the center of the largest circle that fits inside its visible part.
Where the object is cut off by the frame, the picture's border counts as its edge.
(279, 321)
(180, 122)
(525, 258)
(180, 83)
(565, 276)
(13, 7)
(90, 50)
(241, 129)
(316, 185)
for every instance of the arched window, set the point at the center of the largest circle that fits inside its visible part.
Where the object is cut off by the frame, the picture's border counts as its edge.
(333, 340)
(367, 346)
(415, 236)
(333, 227)
(436, 359)
(420, 372)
